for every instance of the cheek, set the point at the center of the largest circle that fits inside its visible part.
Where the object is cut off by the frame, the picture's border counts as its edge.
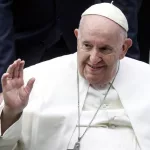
(82, 60)
(82, 56)
(111, 60)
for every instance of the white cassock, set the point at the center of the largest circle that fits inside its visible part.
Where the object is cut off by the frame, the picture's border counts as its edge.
(111, 129)
(49, 121)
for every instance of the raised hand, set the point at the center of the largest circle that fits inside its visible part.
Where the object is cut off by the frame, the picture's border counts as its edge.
(15, 94)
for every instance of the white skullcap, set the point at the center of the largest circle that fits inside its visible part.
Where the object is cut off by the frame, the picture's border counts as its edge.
(109, 11)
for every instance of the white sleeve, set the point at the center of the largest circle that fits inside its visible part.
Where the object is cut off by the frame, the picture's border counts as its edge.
(11, 136)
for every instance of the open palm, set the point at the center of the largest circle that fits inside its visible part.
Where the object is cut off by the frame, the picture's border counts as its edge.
(15, 94)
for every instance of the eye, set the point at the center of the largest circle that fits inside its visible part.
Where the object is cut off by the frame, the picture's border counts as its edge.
(87, 46)
(105, 50)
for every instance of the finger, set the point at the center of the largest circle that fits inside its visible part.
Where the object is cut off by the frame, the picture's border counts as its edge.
(29, 85)
(21, 67)
(10, 69)
(16, 69)
(4, 79)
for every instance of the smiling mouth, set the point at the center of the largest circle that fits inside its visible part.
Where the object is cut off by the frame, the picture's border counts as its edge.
(94, 67)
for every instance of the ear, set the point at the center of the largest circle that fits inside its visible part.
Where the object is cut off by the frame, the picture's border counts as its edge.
(76, 32)
(127, 44)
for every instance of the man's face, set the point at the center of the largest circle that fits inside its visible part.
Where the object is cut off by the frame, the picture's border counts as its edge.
(99, 48)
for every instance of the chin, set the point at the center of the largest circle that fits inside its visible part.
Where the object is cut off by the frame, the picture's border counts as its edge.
(93, 80)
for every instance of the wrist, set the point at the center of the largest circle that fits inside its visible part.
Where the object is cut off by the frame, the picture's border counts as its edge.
(9, 113)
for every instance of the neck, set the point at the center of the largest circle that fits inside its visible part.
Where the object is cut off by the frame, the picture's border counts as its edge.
(99, 86)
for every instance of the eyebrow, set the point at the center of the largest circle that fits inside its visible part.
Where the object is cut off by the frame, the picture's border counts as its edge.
(85, 42)
(106, 45)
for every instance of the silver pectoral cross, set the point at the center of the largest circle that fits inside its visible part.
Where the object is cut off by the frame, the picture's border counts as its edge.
(76, 146)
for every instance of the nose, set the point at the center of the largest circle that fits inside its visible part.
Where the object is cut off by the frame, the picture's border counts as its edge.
(95, 57)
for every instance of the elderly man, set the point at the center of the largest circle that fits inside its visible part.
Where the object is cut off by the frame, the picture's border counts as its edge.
(95, 99)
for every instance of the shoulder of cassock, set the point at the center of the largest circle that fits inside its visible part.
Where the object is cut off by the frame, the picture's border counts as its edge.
(50, 73)
(51, 67)
(133, 74)
(135, 66)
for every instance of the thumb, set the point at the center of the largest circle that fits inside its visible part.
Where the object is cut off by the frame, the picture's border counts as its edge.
(29, 86)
